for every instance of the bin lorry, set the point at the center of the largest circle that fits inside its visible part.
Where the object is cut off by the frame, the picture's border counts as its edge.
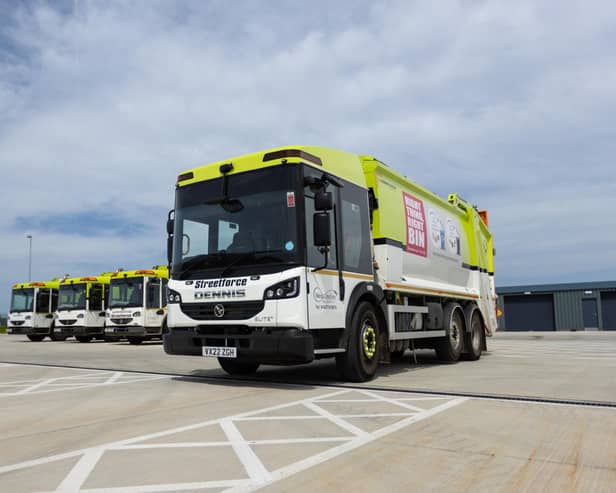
(294, 254)
(32, 309)
(81, 307)
(137, 307)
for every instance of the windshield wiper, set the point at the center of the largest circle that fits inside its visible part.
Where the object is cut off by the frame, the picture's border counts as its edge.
(248, 255)
(196, 261)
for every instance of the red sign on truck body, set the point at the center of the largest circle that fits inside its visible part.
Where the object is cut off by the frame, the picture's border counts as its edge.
(415, 225)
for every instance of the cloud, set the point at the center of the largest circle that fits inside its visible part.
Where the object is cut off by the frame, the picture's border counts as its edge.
(511, 106)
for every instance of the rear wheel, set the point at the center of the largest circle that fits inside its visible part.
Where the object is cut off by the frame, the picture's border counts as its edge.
(83, 338)
(360, 361)
(36, 337)
(449, 347)
(473, 337)
(234, 367)
(135, 340)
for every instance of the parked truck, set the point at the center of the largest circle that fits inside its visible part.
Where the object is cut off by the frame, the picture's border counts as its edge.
(32, 309)
(294, 254)
(137, 304)
(81, 307)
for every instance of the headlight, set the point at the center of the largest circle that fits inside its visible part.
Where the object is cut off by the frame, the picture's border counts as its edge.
(137, 314)
(80, 315)
(173, 296)
(283, 290)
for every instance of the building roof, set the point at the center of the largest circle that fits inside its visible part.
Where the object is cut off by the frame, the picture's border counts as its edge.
(573, 286)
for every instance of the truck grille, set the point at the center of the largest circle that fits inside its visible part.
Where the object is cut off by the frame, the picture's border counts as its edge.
(71, 321)
(18, 322)
(238, 310)
(121, 321)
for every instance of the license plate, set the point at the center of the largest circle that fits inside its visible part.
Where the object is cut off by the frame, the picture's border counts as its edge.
(219, 352)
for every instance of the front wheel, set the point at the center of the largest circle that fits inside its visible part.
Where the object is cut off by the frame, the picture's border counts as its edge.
(360, 361)
(83, 338)
(35, 337)
(234, 367)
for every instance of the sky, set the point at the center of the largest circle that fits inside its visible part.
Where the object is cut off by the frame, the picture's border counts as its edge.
(512, 105)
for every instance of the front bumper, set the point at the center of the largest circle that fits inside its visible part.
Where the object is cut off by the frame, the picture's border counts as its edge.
(132, 331)
(79, 330)
(22, 330)
(276, 346)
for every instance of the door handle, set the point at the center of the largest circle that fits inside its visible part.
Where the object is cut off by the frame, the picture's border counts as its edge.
(160, 312)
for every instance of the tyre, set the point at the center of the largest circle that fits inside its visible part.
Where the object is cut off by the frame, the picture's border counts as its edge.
(135, 340)
(473, 338)
(83, 338)
(36, 337)
(449, 348)
(361, 359)
(235, 367)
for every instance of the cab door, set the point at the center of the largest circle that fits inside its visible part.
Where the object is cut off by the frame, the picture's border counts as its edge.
(154, 314)
(326, 309)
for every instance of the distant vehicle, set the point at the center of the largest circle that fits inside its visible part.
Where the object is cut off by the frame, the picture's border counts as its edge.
(137, 306)
(293, 254)
(32, 307)
(81, 307)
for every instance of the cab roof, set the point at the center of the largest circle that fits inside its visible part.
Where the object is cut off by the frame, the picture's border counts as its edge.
(53, 284)
(161, 271)
(103, 278)
(337, 163)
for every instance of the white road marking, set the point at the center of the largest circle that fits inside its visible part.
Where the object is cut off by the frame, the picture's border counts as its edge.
(257, 472)
(80, 472)
(316, 459)
(255, 469)
(42, 383)
(335, 419)
(105, 378)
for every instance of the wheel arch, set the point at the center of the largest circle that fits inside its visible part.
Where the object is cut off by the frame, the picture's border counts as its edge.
(373, 294)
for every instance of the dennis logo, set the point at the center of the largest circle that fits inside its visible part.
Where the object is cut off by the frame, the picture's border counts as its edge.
(219, 311)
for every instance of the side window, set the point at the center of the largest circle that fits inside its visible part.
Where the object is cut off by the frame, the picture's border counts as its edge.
(54, 300)
(42, 301)
(195, 238)
(164, 298)
(106, 295)
(153, 294)
(96, 297)
(357, 254)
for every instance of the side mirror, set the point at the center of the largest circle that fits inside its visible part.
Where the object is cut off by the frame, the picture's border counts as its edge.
(323, 201)
(169, 249)
(322, 232)
(170, 224)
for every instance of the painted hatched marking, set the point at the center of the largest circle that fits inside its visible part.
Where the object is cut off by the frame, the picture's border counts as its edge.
(257, 473)
(88, 380)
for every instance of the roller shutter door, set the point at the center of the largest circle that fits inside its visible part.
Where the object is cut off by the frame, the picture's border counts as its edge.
(608, 310)
(529, 312)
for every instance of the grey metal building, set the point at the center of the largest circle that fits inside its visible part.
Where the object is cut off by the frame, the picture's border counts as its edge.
(575, 306)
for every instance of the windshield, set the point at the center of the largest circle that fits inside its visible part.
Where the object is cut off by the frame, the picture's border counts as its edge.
(126, 292)
(72, 297)
(21, 300)
(254, 226)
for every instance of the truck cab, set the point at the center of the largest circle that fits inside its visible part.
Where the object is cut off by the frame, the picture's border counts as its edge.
(32, 307)
(81, 307)
(137, 308)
